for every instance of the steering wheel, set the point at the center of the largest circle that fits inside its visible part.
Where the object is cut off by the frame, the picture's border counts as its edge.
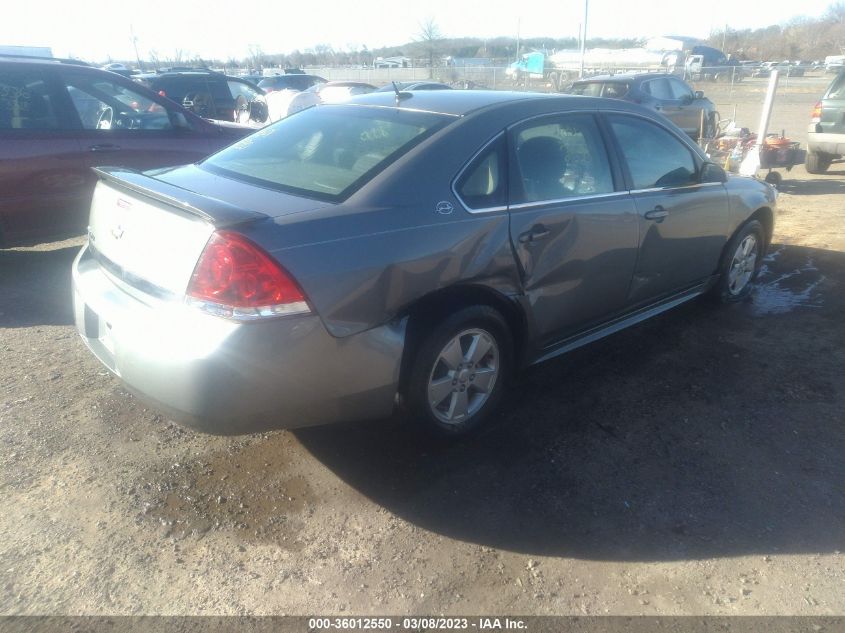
(199, 103)
(105, 119)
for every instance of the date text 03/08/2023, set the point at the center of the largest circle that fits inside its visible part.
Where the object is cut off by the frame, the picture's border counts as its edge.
(415, 623)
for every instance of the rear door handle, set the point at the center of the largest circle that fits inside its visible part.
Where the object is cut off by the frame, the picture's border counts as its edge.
(536, 232)
(103, 147)
(657, 213)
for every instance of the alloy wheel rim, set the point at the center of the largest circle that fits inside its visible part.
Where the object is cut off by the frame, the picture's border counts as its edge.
(463, 376)
(742, 265)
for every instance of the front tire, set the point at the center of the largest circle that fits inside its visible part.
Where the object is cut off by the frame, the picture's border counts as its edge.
(741, 263)
(459, 371)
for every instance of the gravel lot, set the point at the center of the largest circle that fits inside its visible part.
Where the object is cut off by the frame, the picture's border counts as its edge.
(694, 464)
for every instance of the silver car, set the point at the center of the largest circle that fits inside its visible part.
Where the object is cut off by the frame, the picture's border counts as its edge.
(403, 252)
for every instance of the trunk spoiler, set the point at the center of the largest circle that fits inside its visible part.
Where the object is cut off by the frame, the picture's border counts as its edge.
(212, 210)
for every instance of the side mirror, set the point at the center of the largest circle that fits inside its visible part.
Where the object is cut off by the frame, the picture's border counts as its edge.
(699, 94)
(711, 172)
(258, 110)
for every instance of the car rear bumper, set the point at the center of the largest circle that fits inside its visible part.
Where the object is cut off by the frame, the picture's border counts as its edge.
(825, 143)
(228, 378)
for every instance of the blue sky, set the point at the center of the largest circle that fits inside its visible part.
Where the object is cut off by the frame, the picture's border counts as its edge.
(94, 30)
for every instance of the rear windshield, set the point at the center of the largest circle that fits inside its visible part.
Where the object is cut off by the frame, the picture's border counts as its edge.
(837, 88)
(325, 152)
(611, 89)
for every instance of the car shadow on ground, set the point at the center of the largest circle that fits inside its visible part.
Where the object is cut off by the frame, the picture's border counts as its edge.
(708, 431)
(35, 287)
(814, 187)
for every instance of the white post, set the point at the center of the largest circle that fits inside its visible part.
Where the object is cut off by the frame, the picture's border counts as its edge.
(751, 163)
(584, 38)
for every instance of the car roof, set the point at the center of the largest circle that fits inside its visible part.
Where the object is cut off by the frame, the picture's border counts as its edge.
(292, 76)
(463, 102)
(180, 73)
(46, 61)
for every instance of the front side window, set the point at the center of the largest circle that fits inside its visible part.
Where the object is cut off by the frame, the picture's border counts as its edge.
(242, 89)
(680, 90)
(655, 157)
(106, 105)
(325, 152)
(26, 102)
(659, 89)
(561, 158)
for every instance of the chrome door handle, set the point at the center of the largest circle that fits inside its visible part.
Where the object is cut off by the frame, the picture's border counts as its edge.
(104, 147)
(657, 213)
(536, 232)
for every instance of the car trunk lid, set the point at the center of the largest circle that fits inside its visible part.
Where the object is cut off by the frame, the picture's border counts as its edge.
(149, 233)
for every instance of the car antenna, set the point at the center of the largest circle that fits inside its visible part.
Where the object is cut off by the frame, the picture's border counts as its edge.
(399, 95)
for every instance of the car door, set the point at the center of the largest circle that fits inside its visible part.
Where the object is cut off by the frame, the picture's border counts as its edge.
(662, 98)
(43, 187)
(689, 110)
(123, 125)
(574, 232)
(683, 222)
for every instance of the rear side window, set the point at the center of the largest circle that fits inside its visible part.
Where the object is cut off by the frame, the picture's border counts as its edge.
(26, 102)
(325, 152)
(837, 88)
(615, 90)
(483, 184)
(588, 90)
(655, 157)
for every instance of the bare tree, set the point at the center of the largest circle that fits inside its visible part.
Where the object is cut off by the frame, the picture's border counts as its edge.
(430, 37)
(256, 57)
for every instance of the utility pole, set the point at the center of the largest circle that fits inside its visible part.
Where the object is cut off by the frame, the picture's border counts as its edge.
(584, 37)
(135, 44)
(518, 27)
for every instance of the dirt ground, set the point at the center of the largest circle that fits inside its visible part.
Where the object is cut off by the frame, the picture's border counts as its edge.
(694, 464)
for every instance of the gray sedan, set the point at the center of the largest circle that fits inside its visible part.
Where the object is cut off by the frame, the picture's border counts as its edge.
(406, 253)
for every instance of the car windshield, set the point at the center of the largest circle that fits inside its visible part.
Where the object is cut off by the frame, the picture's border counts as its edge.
(325, 152)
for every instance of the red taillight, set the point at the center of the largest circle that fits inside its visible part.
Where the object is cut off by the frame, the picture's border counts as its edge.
(237, 279)
(816, 115)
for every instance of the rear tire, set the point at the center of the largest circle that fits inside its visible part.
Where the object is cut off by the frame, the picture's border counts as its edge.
(816, 163)
(741, 262)
(459, 371)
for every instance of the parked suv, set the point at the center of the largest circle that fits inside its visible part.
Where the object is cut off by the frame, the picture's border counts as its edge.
(209, 94)
(826, 134)
(666, 94)
(59, 118)
(293, 81)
